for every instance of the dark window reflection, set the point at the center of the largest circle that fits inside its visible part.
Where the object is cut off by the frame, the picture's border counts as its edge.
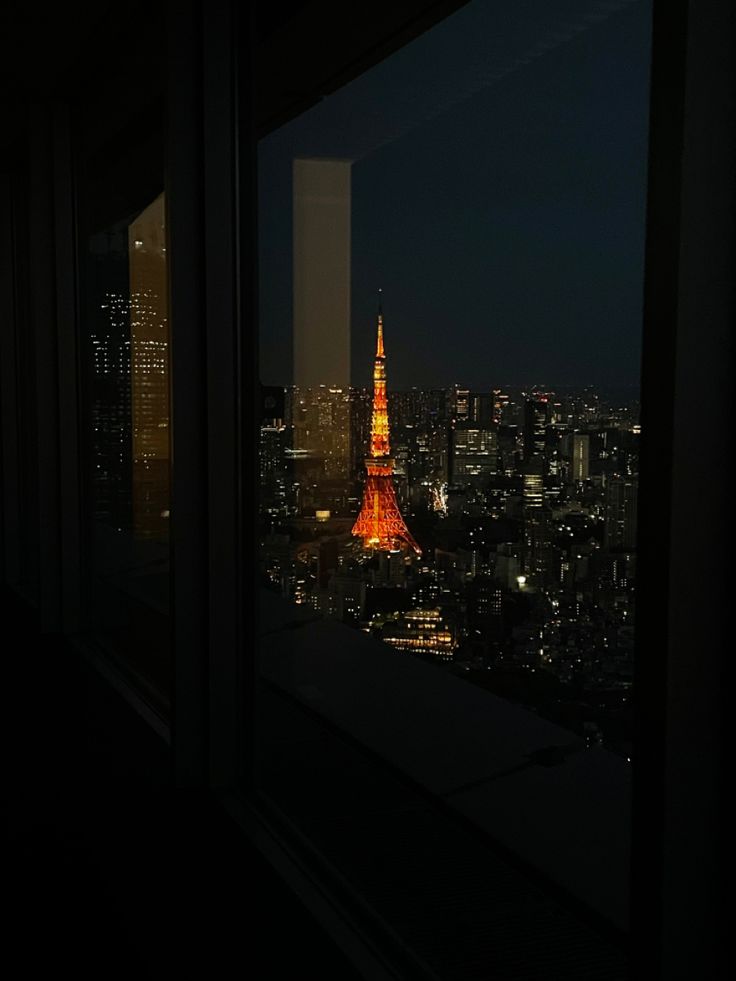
(149, 374)
(127, 376)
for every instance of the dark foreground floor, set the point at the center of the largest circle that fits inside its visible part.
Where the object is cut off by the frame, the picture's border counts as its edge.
(107, 871)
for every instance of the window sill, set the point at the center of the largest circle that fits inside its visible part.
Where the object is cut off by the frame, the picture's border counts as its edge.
(481, 755)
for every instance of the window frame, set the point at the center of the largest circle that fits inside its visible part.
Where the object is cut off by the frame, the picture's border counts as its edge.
(683, 97)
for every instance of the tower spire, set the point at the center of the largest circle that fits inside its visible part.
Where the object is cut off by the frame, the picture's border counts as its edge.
(380, 353)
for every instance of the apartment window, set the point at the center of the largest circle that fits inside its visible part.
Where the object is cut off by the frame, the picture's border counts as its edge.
(451, 271)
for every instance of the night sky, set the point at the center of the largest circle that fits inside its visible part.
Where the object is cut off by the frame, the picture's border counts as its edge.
(499, 187)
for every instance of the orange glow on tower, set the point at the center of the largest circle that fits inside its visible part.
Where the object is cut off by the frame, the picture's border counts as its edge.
(380, 523)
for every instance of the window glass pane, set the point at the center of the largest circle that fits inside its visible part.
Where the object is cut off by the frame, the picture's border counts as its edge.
(126, 364)
(451, 272)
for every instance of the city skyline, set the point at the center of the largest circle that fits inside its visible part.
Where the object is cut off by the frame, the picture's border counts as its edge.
(476, 505)
(492, 534)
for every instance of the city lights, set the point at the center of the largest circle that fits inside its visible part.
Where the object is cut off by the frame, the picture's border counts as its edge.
(526, 517)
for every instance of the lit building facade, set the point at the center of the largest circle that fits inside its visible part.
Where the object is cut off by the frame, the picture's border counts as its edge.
(621, 513)
(580, 457)
(474, 454)
(110, 395)
(536, 525)
(575, 448)
(536, 419)
(422, 632)
(149, 372)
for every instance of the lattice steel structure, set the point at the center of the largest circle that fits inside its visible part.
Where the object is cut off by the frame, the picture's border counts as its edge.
(380, 524)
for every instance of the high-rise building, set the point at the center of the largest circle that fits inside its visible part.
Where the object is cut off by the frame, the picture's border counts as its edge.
(276, 469)
(110, 394)
(461, 404)
(322, 417)
(474, 453)
(500, 404)
(575, 448)
(481, 410)
(484, 606)
(536, 418)
(621, 509)
(533, 484)
(380, 524)
(149, 372)
(536, 525)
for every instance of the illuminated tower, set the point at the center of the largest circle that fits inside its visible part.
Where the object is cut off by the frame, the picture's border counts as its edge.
(379, 523)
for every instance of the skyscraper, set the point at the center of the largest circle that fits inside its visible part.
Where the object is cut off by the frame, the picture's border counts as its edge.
(149, 372)
(621, 508)
(481, 409)
(474, 453)
(461, 404)
(380, 523)
(580, 457)
(536, 541)
(536, 418)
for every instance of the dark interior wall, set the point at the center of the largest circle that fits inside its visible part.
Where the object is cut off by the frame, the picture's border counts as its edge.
(305, 50)
(700, 577)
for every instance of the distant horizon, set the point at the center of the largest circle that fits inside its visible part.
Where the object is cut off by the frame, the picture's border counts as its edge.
(478, 390)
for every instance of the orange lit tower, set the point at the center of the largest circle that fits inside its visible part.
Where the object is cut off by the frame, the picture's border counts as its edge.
(379, 523)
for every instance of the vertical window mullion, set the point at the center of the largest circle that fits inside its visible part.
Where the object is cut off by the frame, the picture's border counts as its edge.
(42, 299)
(223, 393)
(70, 529)
(189, 515)
(9, 409)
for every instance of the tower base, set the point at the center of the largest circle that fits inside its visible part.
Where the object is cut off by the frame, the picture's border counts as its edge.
(380, 524)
